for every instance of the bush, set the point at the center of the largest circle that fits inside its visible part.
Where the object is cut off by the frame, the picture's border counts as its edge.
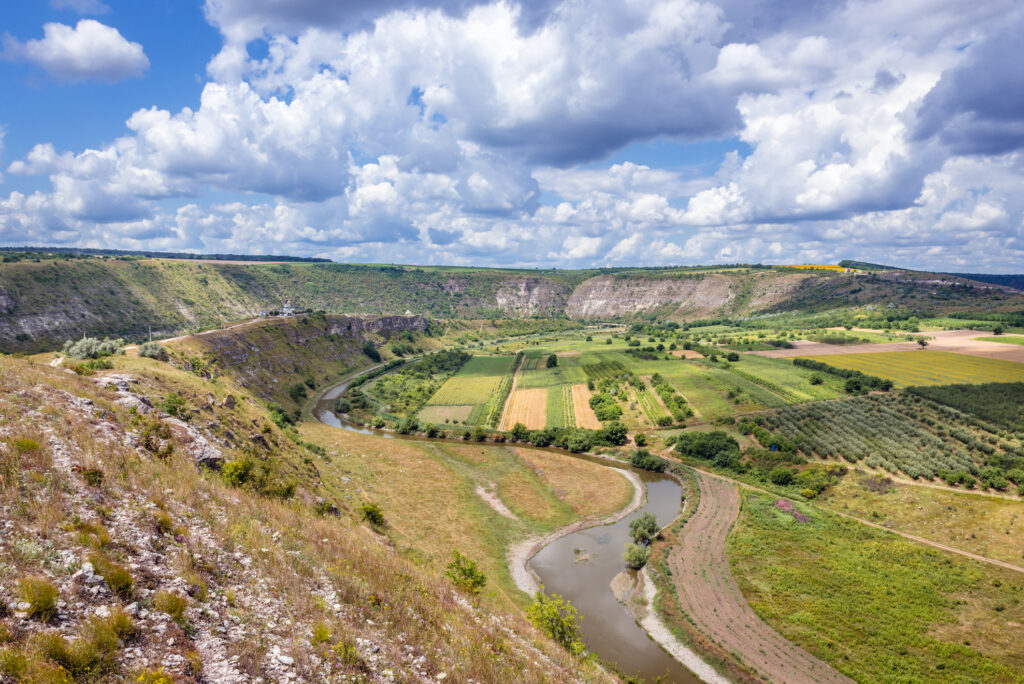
(640, 439)
(781, 476)
(41, 596)
(816, 380)
(557, 618)
(175, 405)
(718, 447)
(342, 406)
(644, 459)
(465, 574)
(153, 350)
(636, 556)
(173, 604)
(644, 529)
(372, 514)
(236, 473)
(371, 351)
(297, 392)
(732, 356)
(92, 348)
(552, 361)
(117, 576)
(520, 433)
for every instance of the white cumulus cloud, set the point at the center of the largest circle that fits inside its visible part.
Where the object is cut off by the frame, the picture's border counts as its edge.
(89, 51)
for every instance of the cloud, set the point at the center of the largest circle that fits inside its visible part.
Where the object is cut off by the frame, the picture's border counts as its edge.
(90, 51)
(978, 105)
(81, 6)
(474, 133)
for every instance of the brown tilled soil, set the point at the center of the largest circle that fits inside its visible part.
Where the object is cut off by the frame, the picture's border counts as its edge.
(585, 417)
(708, 593)
(959, 341)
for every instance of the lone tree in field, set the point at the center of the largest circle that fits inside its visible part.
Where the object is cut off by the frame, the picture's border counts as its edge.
(552, 361)
(923, 342)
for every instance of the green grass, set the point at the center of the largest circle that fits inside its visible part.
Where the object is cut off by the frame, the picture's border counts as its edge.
(789, 382)
(1005, 339)
(474, 383)
(876, 607)
(923, 367)
(556, 406)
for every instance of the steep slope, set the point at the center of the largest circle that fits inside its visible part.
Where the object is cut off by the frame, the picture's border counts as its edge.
(267, 356)
(113, 534)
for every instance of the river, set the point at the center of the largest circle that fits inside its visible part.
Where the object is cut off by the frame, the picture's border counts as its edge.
(581, 566)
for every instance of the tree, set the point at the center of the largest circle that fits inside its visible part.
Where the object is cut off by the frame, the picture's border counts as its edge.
(608, 340)
(465, 574)
(923, 342)
(371, 351)
(998, 330)
(372, 514)
(520, 433)
(552, 361)
(557, 618)
(640, 439)
(732, 356)
(636, 556)
(153, 350)
(644, 529)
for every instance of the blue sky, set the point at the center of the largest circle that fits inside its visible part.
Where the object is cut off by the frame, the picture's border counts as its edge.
(534, 133)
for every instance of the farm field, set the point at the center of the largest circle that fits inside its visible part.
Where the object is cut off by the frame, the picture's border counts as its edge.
(873, 605)
(1002, 339)
(446, 414)
(476, 384)
(901, 433)
(924, 367)
(529, 407)
(583, 415)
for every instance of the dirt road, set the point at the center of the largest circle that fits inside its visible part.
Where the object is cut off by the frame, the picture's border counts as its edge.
(958, 341)
(710, 596)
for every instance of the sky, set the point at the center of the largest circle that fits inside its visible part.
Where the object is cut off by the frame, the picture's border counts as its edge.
(572, 133)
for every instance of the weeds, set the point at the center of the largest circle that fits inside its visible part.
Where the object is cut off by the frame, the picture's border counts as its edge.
(173, 604)
(117, 576)
(41, 596)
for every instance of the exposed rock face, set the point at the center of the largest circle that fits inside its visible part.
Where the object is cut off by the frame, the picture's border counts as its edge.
(351, 326)
(608, 296)
(6, 302)
(531, 296)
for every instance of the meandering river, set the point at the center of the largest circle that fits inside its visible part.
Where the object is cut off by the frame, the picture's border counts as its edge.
(581, 566)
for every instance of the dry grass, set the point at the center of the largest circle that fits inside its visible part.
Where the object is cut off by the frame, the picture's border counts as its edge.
(988, 526)
(445, 414)
(588, 488)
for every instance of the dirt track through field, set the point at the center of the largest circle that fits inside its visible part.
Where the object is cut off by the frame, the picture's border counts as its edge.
(529, 407)
(585, 417)
(708, 593)
(503, 424)
(957, 341)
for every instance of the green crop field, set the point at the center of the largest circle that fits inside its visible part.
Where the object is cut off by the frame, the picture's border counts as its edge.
(921, 367)
(789, 382)
(475, 382)
(1005, 339)
(556, 407)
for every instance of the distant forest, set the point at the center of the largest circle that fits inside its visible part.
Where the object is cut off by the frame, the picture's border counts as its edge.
(27, 253)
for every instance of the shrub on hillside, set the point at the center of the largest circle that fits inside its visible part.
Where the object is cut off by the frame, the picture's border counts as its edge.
(557, 618)
(153, 350)
(93, 348)
(465, 574)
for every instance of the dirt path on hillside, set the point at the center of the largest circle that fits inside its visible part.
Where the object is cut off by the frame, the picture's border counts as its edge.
(490, 497)
(710, 596)
(957, 341)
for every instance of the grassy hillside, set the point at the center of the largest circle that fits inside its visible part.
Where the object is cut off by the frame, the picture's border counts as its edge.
(165, 571)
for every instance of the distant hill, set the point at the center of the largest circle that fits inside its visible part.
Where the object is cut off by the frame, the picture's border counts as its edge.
(44, 302)
(1014, 281)
(15, 254)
